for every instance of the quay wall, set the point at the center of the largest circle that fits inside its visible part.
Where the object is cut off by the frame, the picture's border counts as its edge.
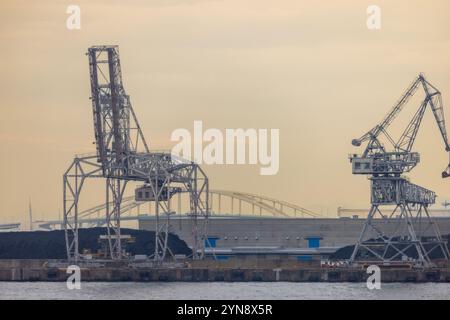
(32, 271)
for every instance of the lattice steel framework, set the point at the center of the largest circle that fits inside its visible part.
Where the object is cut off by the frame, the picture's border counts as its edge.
(123, 156)
(401, 234)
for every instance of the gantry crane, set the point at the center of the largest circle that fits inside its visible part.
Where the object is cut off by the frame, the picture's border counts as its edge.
(122, 156)
(408, 233)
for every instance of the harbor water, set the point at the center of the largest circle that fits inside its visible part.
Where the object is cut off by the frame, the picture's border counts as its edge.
(221, 290)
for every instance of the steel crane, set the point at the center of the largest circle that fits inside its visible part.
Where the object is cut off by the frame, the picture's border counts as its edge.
(388, 187)
(122, 157)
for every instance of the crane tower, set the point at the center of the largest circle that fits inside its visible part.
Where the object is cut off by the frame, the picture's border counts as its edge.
(122, 156)
(408, 233)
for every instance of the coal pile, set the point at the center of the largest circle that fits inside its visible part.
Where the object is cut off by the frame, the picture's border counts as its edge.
(345, 252)
(51, 244)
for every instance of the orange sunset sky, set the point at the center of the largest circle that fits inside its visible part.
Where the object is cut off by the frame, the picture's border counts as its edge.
(311, 69)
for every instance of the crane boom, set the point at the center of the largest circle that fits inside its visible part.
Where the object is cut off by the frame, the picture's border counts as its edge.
(437, 108)
(116, 127)
(404, 159)
(381, 127)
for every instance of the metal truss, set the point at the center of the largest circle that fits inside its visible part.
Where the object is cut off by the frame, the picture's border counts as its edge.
(123, 156)
(168, 180)
(116, 189)
(406, 141)
(73, 182)
(165, 178)
(395, 190)
(380, 240)
(402, 236)
(259, 204)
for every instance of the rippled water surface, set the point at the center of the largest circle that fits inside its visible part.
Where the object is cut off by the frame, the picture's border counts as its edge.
(221, 290)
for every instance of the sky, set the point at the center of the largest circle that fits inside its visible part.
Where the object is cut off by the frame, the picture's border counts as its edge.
(313, 70)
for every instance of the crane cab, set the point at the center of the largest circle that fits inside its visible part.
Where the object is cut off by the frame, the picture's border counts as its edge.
(361, 165)
(145, 193)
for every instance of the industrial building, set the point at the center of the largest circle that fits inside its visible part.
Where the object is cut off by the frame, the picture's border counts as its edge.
(298, 238)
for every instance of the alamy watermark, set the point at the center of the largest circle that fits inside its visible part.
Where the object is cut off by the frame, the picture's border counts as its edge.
(374, 280)
(373, 22)
(73, 21)
(235, 146)
(74, 280)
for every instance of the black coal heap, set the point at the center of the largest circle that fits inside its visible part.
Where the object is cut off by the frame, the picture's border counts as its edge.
(51, 244)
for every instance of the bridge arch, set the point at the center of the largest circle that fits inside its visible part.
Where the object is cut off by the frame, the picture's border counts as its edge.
(222, 202)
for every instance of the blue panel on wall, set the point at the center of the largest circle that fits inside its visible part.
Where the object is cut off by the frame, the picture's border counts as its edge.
(304, 258)
(211, 242)
(222, 257)
(313, 242)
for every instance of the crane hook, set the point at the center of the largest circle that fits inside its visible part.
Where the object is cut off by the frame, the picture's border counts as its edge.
(446, 172)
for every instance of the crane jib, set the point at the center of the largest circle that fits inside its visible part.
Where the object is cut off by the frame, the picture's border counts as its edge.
(406, 141)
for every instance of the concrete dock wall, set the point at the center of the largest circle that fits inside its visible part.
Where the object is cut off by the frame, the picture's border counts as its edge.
(230, 275)
(31, 271)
